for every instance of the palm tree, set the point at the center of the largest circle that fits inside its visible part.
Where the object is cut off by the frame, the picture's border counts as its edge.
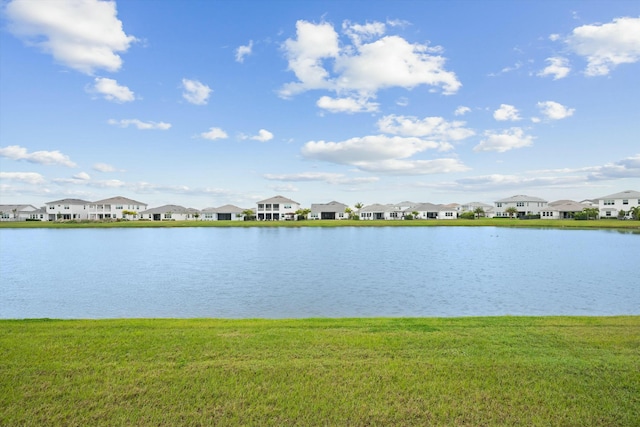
(302, 213)
(591, 212)
(478, 211)
(415, 214)
(248, 215)
(349, 212)
(635, 212)
(358, 205)
(511, 210)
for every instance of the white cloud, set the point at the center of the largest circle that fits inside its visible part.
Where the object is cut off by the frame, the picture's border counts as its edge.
(505, 141)
(361, 68)
(16, 152)
(112, 91)
(26, 177)
(461, 110)
(554, 37)
(104, 167)
(140, 124)
(83, 176)
(214, 133)
(555, 111)
(414, 167)
(625, 168)
(347, 105)
(558, 68)
(608, 45)
(243, 51)
(263, 136)
(372, 148)
(430, 127)
(195, 92)
(81, 34)
(506, 112)
(329, 178)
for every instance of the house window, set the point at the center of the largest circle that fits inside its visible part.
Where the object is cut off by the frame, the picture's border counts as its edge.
(394, 215)
(625, 202)
(260, 206)
(287, 206)
(520, 204)
(498, 205)
(167, 216)
(276, 207)
(608, 213)
(448, 214)
(119, 207)
(66, 206)
(51, 207)
(608, 202)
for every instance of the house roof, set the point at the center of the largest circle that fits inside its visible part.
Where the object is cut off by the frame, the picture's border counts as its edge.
(333, 206)
(120, 200)
(430, 207)
(68, 202)
(521, 198)
(17, 208)
(278, 199)
(377, 208)
(170, 208)
(567, 206)
(629, 194)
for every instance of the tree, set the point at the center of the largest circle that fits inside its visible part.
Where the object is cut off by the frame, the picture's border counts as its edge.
(479, 211)
(196, 215)
(126, 213)
(358, 205)
(302, 213)
(249, 215)
(635, 213)
(511, 210)
(591, 213)
(415, 214)
(349, 212)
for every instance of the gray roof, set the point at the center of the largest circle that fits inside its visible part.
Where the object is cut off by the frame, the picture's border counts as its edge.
(567, 206)
(430, 207)
(279, 200)
(224, 209)
(521, 198)
(17, 208)
(68, 202)
(170, 208)
(120, 200)
(333, 206)
(629, 194)
(378, 208)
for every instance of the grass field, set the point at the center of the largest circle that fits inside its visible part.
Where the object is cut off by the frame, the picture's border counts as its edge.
(494, 371)
(483, 222)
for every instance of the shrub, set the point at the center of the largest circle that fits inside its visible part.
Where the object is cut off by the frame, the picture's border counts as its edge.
(467, 215)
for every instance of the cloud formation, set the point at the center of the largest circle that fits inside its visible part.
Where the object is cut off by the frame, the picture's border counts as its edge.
(506, 112)
(433, 128)
(214, 133)
(16, 152)
(140, 124)
(347, 105)
(25, 177)
(504, 141)
(195, 92)
(112, 91)
(243, 51)
(263, 136)
(329, 178)
(555, 111)
(558, 68)
(364, 62)
(104, 167)
(84, 35)
(608, 45)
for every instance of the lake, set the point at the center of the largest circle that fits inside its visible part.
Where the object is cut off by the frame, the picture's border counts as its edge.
(316, 272)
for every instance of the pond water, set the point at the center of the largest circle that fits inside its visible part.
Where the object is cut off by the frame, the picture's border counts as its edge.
(316, 272)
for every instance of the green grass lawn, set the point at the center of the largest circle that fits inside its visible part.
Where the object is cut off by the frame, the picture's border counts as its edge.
(483, 222)
(525, 371)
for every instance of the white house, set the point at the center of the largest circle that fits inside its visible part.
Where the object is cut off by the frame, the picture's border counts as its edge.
(378, 211)
(526, 205)
(277, 208)
(562, 209)
(20, 213)
(331, 210)
(489, 211)
(223, 213)
(610, 206)
(114, 208)
(431, 211)
(170, 213)
(67, 209)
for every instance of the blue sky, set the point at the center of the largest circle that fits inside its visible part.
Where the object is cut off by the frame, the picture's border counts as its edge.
(204, 103)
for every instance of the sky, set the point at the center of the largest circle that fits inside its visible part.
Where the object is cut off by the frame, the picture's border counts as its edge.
(205, 103)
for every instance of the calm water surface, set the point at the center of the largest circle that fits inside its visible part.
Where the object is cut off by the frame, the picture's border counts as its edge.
(316, 272)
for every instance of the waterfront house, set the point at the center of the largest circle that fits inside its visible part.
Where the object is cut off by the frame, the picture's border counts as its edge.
(489, 211)
(526, 205)
(223, 213)
(562, 209)
(20, 213)
(116, 208)
(611, 205)
(331, 210)
(277, 208)
(376, 211)
(170, 213)
(432, 211)
(67, 209)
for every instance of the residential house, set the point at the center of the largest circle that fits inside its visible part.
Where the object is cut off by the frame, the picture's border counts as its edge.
(277, 208)
(223, 213)
(526, 205)
(115, 208)
(611, 205)
(489, 211)
(20, 213)
(67, 209)
(377, 211)
(562, 209)
(431, 211)
(170, 213)
(331, 210)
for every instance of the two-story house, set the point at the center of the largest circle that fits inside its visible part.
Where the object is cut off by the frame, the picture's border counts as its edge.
(67, 209)
(277, 208)
(116, 208)
(526, 205)
(611, 205)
